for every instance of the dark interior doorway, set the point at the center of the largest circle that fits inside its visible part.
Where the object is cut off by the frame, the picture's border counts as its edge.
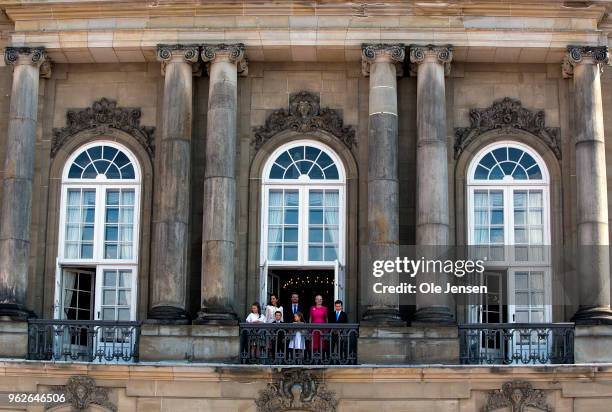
(306, 283)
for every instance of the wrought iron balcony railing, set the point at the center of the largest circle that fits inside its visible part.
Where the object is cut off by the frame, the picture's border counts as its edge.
(86, 341)
(298, 344)
(516, 343)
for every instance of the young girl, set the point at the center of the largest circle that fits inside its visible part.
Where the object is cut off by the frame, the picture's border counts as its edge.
(255, 316)
(298, 343)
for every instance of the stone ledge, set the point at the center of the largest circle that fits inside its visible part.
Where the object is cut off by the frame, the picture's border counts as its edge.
(593, 343)
(13, 339)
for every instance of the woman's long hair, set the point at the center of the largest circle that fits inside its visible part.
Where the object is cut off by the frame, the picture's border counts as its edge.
(258, 307)
(270, 301)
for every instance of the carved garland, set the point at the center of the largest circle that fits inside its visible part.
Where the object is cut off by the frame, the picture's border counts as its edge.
(99, 118)
(507, 114)
(296, 390)
(517, 395)
(80, 392)
(305, 115)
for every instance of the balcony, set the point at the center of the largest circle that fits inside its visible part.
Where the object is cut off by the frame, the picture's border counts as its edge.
(298, 344)
(86, 341)
(516, 343)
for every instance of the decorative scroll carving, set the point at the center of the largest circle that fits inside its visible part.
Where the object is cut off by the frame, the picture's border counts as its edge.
(296, 390)
(233, 53)
(581, 54)
(99, 118)
(507, 114)
(36, 56)
(394, 53)
(305, 115)
(517, 395)
(443, 55)
(189, 52)
(80, 392)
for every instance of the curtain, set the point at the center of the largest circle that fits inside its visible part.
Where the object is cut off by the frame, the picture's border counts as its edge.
(68, 282)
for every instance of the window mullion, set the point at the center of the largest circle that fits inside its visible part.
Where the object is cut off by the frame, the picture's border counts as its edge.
(99, 222)
(303, 212)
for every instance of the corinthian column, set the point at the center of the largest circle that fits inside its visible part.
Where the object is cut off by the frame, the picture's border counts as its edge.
(219, 228)
(16, 207)
(432, 232)
(383, 63)
(585, 64)
(170, 228)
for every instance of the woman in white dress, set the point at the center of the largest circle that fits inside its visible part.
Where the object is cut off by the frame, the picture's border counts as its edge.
(272, 308)
(254, 340)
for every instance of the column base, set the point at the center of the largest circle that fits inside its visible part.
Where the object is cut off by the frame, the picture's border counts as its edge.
(439, 315)
(168, 315)
(592, 344)
(382, 317)
(601, 315)
(216, 316)
(15, 311)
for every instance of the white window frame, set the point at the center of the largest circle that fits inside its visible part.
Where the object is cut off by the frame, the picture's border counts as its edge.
(303, 185)
(97, 263)
(507, 186)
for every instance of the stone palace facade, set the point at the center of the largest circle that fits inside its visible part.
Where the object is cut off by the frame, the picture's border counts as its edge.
(165, 164)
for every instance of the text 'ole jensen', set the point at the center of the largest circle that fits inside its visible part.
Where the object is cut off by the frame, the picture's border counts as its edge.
(428, 288)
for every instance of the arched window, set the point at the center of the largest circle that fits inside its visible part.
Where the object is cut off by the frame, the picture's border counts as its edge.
(303, 198)
(98, 237)
(509, 226)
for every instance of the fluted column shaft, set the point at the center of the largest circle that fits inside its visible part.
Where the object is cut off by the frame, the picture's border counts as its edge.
(219, 221)
(16, 207)
(170, 229)
(383, 63)
(584, 63)
(432, 214)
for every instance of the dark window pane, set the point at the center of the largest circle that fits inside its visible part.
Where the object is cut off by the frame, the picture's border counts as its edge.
(297, 153)
(95, 152)
(292, 172)
(316, 173)
(290, 253)
(304, 166)
(128, 172)
(331, 172)
(508, 167)
(315, 253)
(121, 160)
(82, 160)
(514, 154)
(534, 173)
(109, 153)
(284, 160)
(113, 172)
(312, 153)
(324, 160)
(75, 172)
(481, 173)
(501, 154)
(496, 173)
(527, 161)
(90, 172)
(102, 165)
(276, 172)
(488, 161)
(519, 173)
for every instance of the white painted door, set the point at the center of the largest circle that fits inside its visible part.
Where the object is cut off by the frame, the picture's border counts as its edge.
(263, 284)
(338, 281)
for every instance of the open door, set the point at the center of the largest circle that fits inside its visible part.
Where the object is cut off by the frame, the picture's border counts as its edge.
(339, 281)
(263, 283)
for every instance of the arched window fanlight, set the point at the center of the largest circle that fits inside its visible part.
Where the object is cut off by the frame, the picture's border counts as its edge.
(507, 162)
(307, 161)
(102, 161)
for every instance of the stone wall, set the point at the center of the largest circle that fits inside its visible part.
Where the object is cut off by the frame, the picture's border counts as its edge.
(183, 387)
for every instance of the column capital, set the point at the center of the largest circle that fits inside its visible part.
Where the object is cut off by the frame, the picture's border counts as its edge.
(35, 56)
(597, 55)
(187, 53)
(431, 53)
(233, 53)
(382, 52)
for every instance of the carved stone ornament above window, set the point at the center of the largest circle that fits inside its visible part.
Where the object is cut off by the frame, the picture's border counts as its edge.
(99, 119)
(507, 114)
(518, 396)
(80, 392)
(296, 390)
(305, 115)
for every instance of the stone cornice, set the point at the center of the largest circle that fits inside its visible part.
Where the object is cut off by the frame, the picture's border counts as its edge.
(584, 55)
(392, 53)
(439, 54)
(233, 53)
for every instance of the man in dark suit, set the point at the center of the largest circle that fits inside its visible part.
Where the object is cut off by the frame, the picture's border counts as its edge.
(293, 308)
(340, 343)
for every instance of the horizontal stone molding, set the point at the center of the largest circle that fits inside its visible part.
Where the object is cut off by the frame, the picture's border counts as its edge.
(305, 115)
(505, 115)
(104, 114)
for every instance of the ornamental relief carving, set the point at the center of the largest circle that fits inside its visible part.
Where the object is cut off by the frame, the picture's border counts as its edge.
(305, 115)
(99, 119)
(519, 396)
(80, 392)
(296, 390)
(507, 114)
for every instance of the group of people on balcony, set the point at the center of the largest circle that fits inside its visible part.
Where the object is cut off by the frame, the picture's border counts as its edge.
(298, 340)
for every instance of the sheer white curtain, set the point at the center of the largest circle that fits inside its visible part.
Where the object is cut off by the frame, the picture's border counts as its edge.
(68, 286)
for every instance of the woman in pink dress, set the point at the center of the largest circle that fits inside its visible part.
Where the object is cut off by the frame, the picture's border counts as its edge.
(318, 314)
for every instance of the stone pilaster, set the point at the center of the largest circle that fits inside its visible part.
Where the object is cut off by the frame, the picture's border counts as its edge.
(432, 230)
(170, 227)
(219, 227)
(383, 63)
(584, 64)
(16, 208)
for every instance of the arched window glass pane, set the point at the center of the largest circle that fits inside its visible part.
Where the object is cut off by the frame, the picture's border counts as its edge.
(505, 162)
(102, 160)
(304, 161)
